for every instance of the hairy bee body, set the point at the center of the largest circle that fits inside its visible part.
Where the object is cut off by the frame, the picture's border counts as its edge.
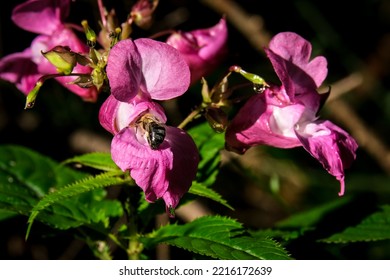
(153, 129)
(155, 134)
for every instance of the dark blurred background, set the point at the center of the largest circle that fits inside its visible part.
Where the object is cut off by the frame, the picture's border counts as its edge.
(355, 38)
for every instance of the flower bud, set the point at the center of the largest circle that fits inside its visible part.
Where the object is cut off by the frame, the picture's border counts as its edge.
(84, 81)
(62, 58)
(98, 77)
(89, 33)
(32, 95)
(259, 83)
(142, 12)
(217, 118)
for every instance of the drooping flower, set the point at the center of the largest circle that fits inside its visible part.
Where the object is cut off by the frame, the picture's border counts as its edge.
(161, 159)
(286, 116)
(44, 17)
(203, 49)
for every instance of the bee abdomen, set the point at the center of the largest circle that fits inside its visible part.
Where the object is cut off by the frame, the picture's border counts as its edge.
(156, 135)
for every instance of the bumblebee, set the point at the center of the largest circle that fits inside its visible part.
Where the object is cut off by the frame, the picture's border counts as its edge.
(154, 130)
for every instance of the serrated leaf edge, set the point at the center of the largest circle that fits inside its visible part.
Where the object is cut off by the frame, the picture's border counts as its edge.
(43, 203)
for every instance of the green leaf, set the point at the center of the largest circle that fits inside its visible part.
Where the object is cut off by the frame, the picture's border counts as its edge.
(75, 189)
(202, 190)
(298, 224)
(217, 237)
(5, 214)
(308, 219)
(209, 145)
(100, 161)
(373, 228)
(26, 177)
(285, 235)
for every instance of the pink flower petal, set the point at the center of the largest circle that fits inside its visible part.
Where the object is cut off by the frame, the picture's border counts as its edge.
(185, 165)
(147, 167)
(17, 68)
(160, 173)
(296, 52)
(115, 115)
(203, 49)
(165, 73)
(124, 70)
(108, 112)
(334, 148)
(257, 124)
(41, 16)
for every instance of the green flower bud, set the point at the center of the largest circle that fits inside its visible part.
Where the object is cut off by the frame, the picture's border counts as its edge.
(258, 82)
(98, 77)
(32, 95)
(62, 58)
(89, 34)
(205, 92)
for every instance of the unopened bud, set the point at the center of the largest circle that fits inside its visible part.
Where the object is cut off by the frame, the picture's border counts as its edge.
(205, 92)
(89, 34)
(62, 58)
(126, 31)
(217, 118)
(142, 12)
(98, 77)
(115, 36)
(32, 95)
(82, 60)
(258, 82)
(84, 81)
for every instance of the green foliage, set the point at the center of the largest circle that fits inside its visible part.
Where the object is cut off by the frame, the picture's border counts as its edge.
(308, 219)
(5, 214)
(99, 161)
(64, 197)
(300, 223)
(209, 145)
(217, 237)
(204, 191)
(373, 228)
(85, 185)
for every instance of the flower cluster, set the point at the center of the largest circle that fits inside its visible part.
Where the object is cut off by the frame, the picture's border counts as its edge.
(46, 18)
(138, 73)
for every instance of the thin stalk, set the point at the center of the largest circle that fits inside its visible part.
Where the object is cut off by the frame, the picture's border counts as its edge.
(192, 116)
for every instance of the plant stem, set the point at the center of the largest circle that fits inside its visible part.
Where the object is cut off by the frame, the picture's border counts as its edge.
(191, 116)
(135, 247)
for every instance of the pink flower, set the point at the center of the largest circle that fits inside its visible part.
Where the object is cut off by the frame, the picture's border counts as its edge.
(161, 159)
(203, 49)
(146, 68)
(44, 17)
(286, 116)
